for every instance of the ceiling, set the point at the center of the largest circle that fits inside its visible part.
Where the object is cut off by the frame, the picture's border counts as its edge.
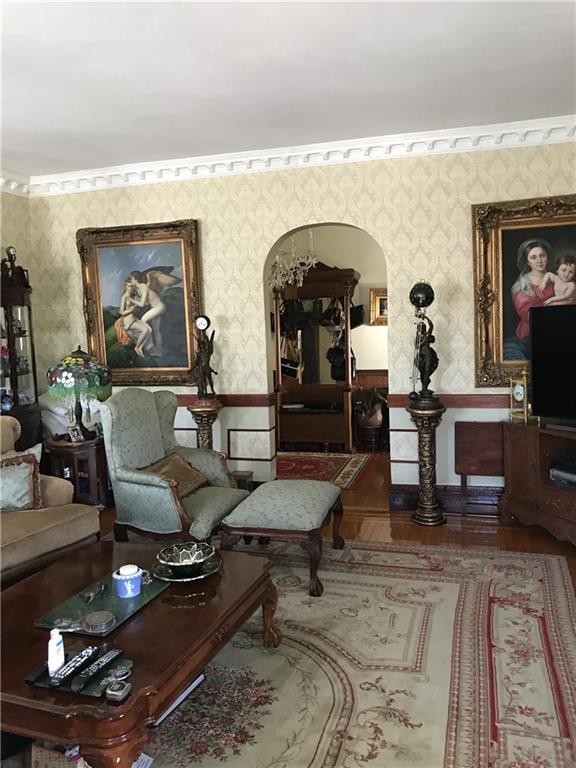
(91, 85)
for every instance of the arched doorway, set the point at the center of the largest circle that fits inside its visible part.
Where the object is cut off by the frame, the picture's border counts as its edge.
(345, 246)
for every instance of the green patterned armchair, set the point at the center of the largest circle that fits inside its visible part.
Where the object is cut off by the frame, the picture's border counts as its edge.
(138, 430)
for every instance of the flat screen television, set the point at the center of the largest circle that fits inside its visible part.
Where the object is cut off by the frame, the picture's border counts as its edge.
(553, 363)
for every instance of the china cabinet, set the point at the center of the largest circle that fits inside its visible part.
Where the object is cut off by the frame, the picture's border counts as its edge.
(18, 388)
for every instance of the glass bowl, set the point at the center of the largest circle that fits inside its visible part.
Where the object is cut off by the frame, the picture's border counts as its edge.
(186, 558)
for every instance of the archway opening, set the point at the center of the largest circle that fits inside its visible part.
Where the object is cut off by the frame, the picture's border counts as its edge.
(345, 247)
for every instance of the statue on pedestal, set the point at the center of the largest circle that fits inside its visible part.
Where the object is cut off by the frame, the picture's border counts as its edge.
(202, 370)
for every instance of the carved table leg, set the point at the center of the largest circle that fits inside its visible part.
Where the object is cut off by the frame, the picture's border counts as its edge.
(272, 636)
(120, 755)
(315, 553)
(337, 540)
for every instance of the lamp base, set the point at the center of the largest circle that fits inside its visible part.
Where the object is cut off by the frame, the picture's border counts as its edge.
(87, 434)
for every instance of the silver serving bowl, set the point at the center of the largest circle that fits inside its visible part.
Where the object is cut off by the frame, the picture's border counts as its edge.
(185, 559)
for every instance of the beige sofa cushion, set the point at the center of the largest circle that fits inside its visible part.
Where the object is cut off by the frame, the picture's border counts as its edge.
(31, 533)
(55, 491)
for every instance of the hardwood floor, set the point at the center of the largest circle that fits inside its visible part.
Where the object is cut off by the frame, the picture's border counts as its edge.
(367, 518)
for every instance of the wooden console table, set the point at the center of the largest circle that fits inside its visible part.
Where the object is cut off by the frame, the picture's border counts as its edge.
(84, 464)
(529, 495)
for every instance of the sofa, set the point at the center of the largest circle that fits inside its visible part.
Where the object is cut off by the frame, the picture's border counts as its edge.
(32, 538)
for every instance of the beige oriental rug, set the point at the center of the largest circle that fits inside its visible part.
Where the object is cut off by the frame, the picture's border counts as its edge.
(413, 657)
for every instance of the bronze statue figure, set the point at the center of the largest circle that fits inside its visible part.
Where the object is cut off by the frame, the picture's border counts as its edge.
(201, 369)
(425, 357)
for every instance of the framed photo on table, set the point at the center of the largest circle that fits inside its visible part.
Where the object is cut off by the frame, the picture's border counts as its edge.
(141, 296)
(378, 306)
(524, 257)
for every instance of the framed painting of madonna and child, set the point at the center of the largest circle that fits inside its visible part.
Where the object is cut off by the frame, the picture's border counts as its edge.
(140, 297)
(524, 257)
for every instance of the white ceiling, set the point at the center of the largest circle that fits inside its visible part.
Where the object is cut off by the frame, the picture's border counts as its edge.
(88, 85)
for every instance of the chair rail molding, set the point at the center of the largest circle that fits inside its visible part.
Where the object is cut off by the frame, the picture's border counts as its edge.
(552, 130)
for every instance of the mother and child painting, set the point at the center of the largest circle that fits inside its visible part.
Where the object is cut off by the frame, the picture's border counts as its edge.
(542, 274)
(143, 308)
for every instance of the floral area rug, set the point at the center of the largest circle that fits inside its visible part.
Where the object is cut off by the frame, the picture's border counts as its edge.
(346, 470)
(416, 657)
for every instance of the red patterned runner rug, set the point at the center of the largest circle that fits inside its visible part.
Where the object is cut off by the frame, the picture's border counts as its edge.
(346, 470)
(417, 657)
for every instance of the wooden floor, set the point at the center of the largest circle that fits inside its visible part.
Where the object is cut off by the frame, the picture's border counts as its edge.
(367, 518)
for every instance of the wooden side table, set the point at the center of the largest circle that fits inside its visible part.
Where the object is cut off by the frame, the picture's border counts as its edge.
(84, 464)
(244, 479)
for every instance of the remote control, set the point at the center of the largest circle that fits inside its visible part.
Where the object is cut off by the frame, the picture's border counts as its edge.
(73, 666)
(98, 666)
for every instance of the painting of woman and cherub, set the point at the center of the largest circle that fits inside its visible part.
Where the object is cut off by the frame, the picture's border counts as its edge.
(538, 270)
(140, 294)
(524, 258)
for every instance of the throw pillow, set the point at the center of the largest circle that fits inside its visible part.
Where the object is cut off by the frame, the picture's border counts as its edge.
(35, 450)
(174, 467)
(20, 483)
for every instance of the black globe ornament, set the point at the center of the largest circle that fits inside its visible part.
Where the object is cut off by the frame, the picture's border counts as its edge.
(421, 295)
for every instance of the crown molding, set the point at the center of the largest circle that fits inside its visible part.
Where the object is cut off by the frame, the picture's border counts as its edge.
(551, 130)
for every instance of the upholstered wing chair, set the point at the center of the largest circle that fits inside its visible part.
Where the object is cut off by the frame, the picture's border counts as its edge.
(138, 431)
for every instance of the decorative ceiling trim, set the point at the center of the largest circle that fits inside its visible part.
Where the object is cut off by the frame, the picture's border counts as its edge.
(552, 130)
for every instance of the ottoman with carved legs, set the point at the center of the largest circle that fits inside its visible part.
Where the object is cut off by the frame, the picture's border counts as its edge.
(294, 509)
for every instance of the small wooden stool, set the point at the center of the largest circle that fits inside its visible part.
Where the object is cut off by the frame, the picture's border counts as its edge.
(294, 508)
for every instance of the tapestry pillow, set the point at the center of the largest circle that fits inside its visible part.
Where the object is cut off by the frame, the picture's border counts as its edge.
(35, 450)
(20, 488)
(174, 467)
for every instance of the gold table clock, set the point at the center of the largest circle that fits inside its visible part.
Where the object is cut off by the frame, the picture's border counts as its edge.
(519, 406)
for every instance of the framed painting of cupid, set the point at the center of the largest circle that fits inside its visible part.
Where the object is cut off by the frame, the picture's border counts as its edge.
(140, 298)
(524, 257)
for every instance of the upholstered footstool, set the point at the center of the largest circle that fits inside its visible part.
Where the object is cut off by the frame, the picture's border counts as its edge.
(293, 508)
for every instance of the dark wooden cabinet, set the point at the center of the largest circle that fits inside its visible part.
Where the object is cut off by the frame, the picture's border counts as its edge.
(18, 389)
(529, 494)
(309, 412)
(84, 464)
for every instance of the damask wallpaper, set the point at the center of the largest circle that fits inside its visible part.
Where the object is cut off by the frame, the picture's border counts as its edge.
(417, 209)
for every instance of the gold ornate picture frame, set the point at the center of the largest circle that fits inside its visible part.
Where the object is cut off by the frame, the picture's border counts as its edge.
(516, 244)
(140, 298)
(378, 306)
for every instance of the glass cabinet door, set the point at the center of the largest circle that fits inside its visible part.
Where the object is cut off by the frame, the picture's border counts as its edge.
(23, 355)
(5, 385)
(18, 386)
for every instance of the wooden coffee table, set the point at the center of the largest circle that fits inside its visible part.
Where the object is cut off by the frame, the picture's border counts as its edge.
(170, 640)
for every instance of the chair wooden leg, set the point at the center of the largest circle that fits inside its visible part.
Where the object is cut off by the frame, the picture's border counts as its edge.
(228, 540)
(120, 532)
(315, 552)
(337, 540)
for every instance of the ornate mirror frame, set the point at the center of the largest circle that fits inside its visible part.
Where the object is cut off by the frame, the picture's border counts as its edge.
(499, 230)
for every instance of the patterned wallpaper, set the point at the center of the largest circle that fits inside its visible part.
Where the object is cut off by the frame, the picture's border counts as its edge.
(15, 227)
(417, 209)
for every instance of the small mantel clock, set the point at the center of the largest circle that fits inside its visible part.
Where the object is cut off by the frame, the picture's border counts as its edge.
(519, 406)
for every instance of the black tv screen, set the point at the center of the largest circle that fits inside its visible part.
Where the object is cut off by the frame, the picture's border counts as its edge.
(553, 360)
